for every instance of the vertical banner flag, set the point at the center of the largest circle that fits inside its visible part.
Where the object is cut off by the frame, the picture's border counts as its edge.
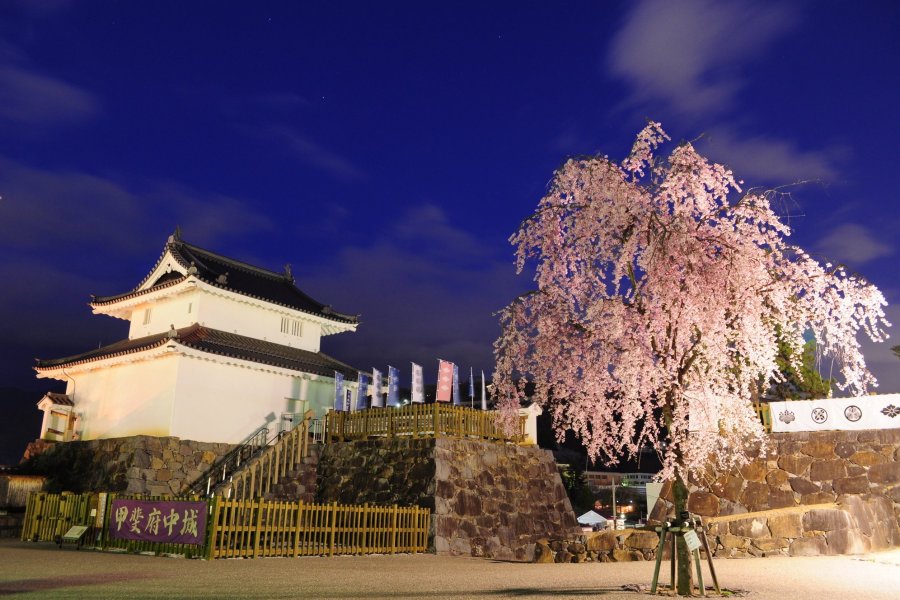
(393, 398)
(377, 400)
(455, 385)
(471, 388)
(418, 388)
(445, 380)
(338, 391)
(348, 399)
(363, 391)
(483, 396)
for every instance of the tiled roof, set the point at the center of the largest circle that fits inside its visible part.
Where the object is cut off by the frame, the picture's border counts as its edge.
(214, 341)
(235, 276)
(59, 399)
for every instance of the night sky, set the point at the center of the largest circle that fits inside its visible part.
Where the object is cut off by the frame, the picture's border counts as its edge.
(387, 150)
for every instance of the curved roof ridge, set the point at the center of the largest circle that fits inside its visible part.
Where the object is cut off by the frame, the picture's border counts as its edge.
(216, 341)
(230, 261)
(235, 276)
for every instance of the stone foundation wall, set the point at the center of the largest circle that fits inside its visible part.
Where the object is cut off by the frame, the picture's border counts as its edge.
(625, 545)
(489, 500)
(136, 465)
(852, 526)
(383, 472)
(300, 483)
(856, 471)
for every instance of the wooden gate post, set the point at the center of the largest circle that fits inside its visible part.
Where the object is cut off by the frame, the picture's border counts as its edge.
(332, 528)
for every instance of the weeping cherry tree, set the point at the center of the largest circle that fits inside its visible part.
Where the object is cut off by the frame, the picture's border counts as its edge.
(663, 292)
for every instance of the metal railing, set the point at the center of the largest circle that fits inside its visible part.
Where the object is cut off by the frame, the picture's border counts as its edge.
(256, 464)
(258, 475)
(225, 467)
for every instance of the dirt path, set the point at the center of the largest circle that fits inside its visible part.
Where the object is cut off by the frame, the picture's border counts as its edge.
(43, 571)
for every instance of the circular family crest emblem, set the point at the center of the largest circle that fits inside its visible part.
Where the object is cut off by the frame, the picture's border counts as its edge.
(819, 415)
(853, 413)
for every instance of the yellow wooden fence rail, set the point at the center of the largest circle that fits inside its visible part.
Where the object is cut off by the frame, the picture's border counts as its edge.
(259, 475)
(418, 421)
(260, 528)
(49, 516)
(764, 412)
(246, 528)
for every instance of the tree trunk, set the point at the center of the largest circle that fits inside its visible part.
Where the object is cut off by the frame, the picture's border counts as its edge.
(684, 584)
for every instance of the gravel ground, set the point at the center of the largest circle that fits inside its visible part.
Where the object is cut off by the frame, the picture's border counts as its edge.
(44, 571)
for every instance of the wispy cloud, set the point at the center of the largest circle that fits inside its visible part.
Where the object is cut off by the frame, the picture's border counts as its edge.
(853, 244)
(687, 61)
(687, 53)
(70, 234)
(33, 100)
(768, 159)
(71, 207)
(883, 363)
(310, 152)
(431, 290)
(305, 150)
(30, 98)
(271, 118)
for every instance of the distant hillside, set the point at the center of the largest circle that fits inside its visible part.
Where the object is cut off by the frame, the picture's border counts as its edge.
(20, 424)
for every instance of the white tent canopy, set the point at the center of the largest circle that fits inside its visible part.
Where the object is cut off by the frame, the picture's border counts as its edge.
(591, 518)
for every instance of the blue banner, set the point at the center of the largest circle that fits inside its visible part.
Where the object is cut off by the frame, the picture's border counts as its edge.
(456, 385)
(393, 398)
(363, 392)
(338, 391)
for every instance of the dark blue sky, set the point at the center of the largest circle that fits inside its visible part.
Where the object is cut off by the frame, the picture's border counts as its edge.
(388, 149)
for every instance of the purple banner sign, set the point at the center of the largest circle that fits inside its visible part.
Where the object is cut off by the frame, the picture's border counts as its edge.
(163, 521)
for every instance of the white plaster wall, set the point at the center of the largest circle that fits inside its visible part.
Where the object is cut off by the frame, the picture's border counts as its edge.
(225, 403)
(180, 311)
(128, 399)
(226, 314)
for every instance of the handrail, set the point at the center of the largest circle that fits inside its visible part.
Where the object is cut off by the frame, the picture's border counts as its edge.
(266, 468)
(231, 462)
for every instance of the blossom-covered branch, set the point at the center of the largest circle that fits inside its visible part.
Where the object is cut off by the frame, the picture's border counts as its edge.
(663, 291)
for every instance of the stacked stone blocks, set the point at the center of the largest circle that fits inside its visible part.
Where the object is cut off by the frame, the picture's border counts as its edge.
(853, 475)
(488, 500)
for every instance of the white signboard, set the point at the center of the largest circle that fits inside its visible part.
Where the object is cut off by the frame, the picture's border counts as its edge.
(692, 540)
(881, 411)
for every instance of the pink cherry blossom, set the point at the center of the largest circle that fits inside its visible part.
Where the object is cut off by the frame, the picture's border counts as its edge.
(661, 286)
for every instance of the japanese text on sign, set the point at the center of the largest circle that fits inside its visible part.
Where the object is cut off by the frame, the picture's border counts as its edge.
(163, 521)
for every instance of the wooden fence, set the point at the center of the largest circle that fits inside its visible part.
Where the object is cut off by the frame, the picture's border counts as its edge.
(49, 516)
(257, 528)
(243, 528)
(418, 421)
(765, 415)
